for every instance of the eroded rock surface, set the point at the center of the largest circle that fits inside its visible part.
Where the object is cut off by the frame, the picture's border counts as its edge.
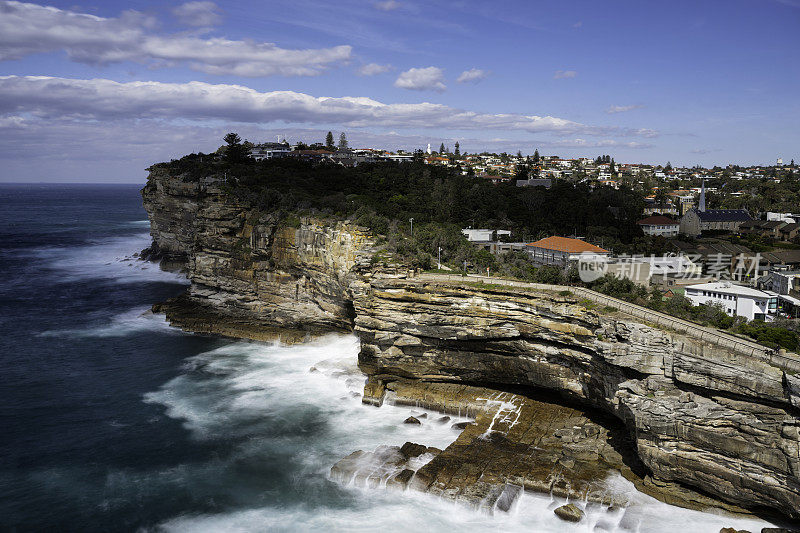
(697, 416)
(718, 422)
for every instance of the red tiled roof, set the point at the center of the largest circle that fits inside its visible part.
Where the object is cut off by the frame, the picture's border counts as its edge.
(565, 244)
(658, 220)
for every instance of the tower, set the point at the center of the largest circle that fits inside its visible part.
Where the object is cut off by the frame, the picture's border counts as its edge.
(428, 151)
(702, 206)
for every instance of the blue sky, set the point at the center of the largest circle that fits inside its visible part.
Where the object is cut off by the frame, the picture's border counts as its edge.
(100, 90)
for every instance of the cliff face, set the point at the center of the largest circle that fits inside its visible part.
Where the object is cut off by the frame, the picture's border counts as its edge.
(722, 423)
(252, 274)
(719, 422)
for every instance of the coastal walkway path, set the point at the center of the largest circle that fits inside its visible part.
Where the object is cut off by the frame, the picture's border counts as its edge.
(787, 361)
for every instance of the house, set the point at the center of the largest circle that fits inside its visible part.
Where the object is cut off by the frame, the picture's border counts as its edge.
(659, 225)
(789, 231)
(652, 208)
(771, 228)
(736, 300)
(263, 151)
(561, 250)
(479, 235)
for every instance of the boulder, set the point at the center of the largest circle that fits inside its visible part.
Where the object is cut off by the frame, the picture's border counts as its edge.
(412, 420)
(569, 512)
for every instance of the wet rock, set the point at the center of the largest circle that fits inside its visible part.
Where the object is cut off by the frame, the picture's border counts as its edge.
(412, 420)
(508, 496)
(778, 530)
(411, 449)
(461, 425)
(569, 512)
(401, 480)
(732, 530)
(443, 420)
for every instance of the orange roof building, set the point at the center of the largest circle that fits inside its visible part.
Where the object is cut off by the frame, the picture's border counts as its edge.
(560, 250)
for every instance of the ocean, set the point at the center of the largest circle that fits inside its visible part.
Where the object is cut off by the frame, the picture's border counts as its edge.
(113, 421)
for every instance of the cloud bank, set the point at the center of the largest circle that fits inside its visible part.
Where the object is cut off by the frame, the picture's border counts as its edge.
(101, 99)
(27, 29)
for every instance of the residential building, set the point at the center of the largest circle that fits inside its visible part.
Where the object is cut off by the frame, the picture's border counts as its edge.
(475, 235)
(736, 300)
(263, 151)
(561, 250)
(659, 225)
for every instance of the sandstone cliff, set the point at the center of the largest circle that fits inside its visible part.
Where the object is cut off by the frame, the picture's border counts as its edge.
(722, 423)
(253, 274)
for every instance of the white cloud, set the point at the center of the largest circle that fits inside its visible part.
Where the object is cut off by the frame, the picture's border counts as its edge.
(30, 28)
(421, 79)
(373, 69)
(50, 98)
(387, 5)
(473, 75)
(201, 13)
(563, 74)
(622, 108)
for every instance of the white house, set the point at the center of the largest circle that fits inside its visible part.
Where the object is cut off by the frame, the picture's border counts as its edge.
(473, 235)
(660, 225)
(752, 304)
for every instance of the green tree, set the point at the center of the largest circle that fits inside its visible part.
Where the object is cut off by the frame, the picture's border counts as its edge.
(668, 168)
(441, 148)
(458, 151)
(536, 156)
(342, 142)
(235, 152)
(329, 141)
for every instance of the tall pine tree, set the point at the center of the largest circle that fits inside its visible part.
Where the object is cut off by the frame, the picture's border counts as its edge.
(441, 148)
(343, 142)
(458, 150)
(329, 141)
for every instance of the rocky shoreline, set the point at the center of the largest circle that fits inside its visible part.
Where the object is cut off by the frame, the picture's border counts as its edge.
(684, 420)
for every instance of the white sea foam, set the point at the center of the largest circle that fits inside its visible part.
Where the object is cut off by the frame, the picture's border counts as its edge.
(253, 391)
(110, 258)
(135, 320)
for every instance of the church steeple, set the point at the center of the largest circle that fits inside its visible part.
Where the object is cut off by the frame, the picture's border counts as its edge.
(702, 206)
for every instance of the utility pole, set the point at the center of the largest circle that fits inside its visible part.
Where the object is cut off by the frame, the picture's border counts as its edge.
(412, 225)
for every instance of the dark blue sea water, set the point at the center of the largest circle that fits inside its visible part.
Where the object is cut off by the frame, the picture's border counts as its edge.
(110, 420)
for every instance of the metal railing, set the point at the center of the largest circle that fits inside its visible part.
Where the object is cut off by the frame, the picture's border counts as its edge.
(789, 361)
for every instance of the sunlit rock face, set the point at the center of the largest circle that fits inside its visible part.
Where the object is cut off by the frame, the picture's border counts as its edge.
(716, 421)
(253, 274)
(694, 414)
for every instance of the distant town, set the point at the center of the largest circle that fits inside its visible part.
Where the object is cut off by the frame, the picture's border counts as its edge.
(732, 237)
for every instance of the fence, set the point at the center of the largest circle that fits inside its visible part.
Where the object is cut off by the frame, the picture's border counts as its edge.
(789, 362)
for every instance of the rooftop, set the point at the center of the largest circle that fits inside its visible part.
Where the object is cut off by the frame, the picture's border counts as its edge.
(729, 288)
(658, 220)
(723, 215)
(565, 244)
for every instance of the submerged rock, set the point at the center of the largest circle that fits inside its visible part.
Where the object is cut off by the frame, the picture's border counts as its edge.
(569, 512)
(443, 420)
(411, 420)
(461, 425)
